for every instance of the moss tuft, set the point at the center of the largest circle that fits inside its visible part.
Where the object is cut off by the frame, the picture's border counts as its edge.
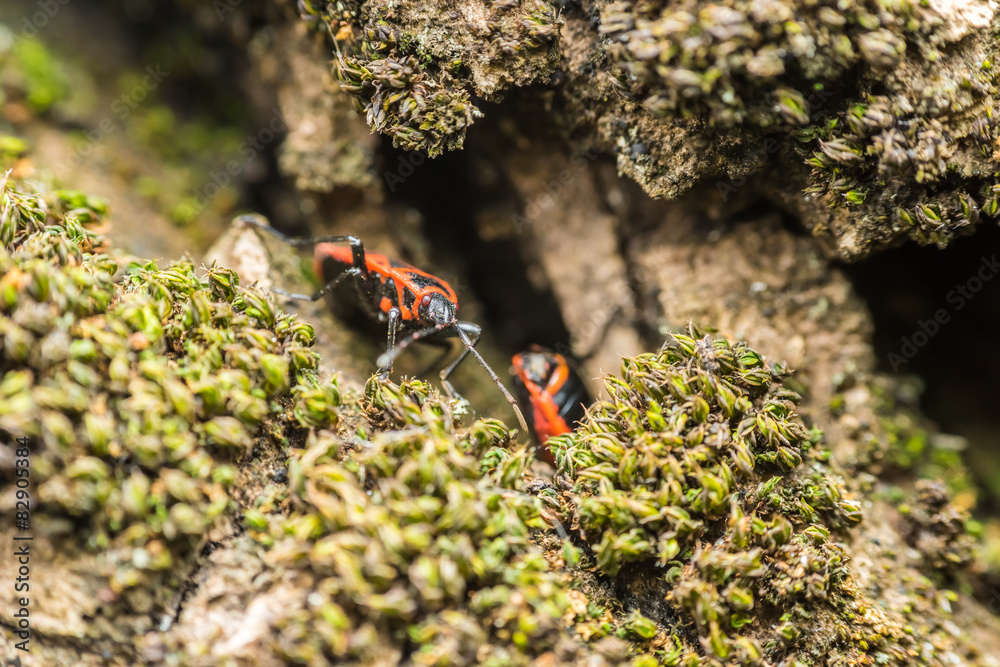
(414, 70)
(740, 62)
(140, 389)
(419, 543)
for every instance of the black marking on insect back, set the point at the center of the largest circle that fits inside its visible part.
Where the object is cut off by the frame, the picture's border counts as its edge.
(572, 397)
(408, 299)
(388, 290)
(421, 280)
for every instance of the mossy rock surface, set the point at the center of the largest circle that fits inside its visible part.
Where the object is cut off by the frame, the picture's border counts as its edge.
(202, 497)
(882, 114)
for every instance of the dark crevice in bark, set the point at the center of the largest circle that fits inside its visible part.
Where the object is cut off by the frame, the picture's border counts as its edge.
(934, 317)
(451, 192)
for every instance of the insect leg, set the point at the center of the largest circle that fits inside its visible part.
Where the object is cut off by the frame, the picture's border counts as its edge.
(389, 356)
(351, 272)
(473, 331)
(460, 329)
(394, 319)
(357, 248)
(447, 349)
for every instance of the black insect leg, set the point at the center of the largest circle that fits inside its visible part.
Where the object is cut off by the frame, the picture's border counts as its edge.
(463, 329)
(357, 247)
(445, 345)
(358, 270)
(473, 332)
(395, 318)
(389, 356)
(318, 294)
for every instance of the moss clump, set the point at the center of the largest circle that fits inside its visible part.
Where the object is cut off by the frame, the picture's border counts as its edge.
(883, 111)
(935, 174)
(140, 390)
(692, 518)
(418, 543)
(858, 86)
(902, 441)
(414, 69)
(925, 476)
(739, 62)
(422, 107)
(936, 527)
(694, 477)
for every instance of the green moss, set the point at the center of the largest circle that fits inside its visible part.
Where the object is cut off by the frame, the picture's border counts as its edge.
(693, 476)
(30, 72)
(11, 149)
(736, 62)
(706, 525)
(417, 551)
(938, 492)
(693, 518)
(421, 106)
(811, 71)
(140, 389)
(414, 70)
(200, 161)
(882, 146)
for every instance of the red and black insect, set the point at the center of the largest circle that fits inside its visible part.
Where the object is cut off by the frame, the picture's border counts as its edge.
(549, 382)
(411, 301)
